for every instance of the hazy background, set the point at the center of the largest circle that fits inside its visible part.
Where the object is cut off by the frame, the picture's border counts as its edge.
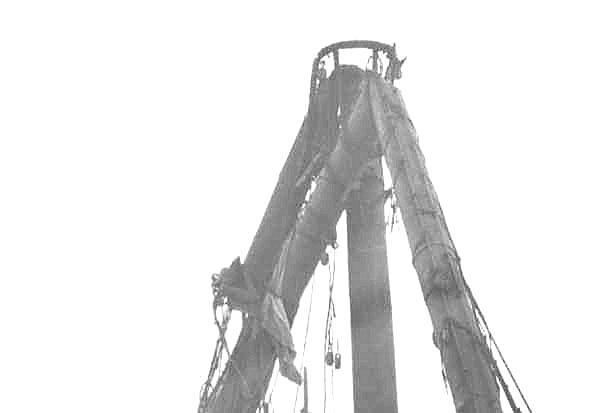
(140, 142)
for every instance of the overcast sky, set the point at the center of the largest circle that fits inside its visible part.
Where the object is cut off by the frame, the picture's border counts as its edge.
(140, 142)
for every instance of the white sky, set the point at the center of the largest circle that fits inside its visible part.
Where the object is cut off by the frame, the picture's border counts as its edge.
(140, 142)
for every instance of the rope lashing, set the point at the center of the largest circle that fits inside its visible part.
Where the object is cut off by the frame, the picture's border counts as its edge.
(427, 245)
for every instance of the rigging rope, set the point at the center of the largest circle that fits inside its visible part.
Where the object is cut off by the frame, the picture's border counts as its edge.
(489, 352)
(207, 391)
(207, 388)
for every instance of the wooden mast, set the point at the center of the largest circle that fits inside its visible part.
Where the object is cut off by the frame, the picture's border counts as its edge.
(374, 384)
(377, 115)
(247, 375)
(456, 330)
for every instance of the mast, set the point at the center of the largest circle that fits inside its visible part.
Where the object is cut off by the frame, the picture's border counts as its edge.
(354, 118)
(456, 330)
(318, 133)
(248, 372)
(374, 384)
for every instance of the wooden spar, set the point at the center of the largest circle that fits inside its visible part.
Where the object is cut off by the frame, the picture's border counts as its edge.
(247, 375)
(278, 220)
(456, 335)
(370, 298)
(318, 133)
(289, 193)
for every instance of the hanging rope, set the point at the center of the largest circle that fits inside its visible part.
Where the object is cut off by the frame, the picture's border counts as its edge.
(302, 362)
(329, 317)
(389, 196)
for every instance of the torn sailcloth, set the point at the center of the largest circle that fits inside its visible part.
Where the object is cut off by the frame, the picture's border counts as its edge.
(274, 320)
(269, 313)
